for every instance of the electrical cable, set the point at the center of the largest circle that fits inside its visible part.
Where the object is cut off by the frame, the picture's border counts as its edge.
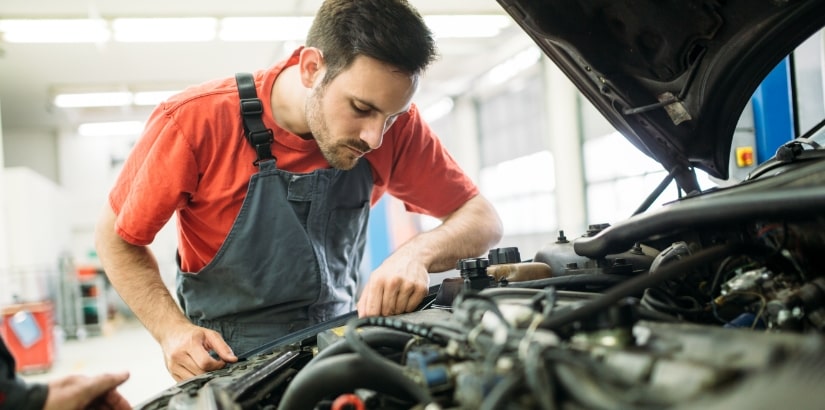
(660, 300)
(502, 391)
(420, 393)
(465, 300)
(374, 337)
(638, 284)
(762, 306)
(538, 380)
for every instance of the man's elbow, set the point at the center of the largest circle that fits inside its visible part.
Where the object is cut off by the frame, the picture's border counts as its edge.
(490, 222)
(496, 229)
(104, 228)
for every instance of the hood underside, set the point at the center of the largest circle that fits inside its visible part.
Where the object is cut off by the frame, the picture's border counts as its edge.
(672, 76)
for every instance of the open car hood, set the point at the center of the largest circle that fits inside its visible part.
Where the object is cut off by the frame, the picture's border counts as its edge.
(673, 77)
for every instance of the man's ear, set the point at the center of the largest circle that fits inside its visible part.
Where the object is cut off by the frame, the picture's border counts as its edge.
(311, 63)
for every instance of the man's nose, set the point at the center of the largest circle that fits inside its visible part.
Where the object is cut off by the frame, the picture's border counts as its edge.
(373, 133)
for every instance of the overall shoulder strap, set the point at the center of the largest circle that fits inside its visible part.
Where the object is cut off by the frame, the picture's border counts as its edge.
(251, 111)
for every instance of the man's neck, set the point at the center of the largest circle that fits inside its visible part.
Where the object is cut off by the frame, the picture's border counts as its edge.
(287, 101)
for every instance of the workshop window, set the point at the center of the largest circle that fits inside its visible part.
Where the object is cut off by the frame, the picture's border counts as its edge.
(517, 173)
(808, 75)
(619, 177)
(512, 121)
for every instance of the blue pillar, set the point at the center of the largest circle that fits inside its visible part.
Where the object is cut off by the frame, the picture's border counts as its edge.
(378, 234)
(773, 111)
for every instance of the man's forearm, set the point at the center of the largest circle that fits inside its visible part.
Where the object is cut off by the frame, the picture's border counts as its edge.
(469, 231)
(134, 273)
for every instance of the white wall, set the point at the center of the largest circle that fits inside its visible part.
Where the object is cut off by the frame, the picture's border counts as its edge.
(88, 168)
(33, 230)
(35, 149)
(5, 279)
(43, 220)
(36, 234)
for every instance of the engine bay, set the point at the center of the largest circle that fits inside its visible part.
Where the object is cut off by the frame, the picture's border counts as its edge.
(713, 301)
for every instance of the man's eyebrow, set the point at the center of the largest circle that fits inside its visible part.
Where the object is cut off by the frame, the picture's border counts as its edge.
(375, 108)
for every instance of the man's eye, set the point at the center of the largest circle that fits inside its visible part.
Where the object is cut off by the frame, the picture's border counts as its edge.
(360, 110)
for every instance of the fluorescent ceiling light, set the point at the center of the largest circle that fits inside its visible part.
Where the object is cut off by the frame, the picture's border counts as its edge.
(152, 97)
(112, 99)
(264, 28)
(54, 31)
(196, 29)
(109, 129)
(466, 26)
(107, 99)
(156, 30)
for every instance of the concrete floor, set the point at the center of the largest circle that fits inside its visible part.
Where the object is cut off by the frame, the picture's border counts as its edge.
(124, 345)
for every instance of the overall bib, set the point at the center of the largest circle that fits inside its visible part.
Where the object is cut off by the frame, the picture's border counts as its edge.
(291, 258)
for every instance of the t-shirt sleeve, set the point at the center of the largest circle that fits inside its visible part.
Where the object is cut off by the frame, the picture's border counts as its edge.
(157, 178)
(423, 174)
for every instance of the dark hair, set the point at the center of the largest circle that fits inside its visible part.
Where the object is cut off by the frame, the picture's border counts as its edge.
(390, 31)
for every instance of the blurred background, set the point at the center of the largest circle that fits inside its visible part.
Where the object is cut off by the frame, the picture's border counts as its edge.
(79, 77)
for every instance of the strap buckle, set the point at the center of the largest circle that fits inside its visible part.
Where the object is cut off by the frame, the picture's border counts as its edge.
(250, 106)
(258, 135)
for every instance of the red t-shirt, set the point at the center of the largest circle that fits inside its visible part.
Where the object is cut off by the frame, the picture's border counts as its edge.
(194, 159)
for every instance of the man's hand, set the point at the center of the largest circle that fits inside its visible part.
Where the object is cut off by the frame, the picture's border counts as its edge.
(186, 350)
(133, 271)
(402, 281)
(87, 392)
(397, 286)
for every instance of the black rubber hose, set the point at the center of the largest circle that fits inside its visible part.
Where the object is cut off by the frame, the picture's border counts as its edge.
(511, 292)
(342, 374)
(503, 391)
(590, 392)
(373, 337)
(656, 316)
(376, 361)
(585, 279)
(637, 285)
(538, 380)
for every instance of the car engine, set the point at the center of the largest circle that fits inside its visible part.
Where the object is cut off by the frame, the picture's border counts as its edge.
(715, 300)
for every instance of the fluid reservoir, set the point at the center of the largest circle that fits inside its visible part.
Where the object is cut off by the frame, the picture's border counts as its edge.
(563, 259)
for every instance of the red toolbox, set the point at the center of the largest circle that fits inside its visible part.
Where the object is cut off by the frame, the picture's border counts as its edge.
(27, 329)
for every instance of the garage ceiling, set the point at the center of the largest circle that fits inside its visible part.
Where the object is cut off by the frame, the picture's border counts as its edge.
(30, 73)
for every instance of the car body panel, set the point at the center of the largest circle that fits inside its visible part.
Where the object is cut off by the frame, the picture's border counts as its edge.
(673, 77)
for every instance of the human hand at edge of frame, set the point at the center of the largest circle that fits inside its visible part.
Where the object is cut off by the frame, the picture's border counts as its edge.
(78, 392)
(187, 348)
(397, 286)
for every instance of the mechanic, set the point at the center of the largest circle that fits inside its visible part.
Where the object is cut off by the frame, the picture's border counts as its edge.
(271, 232)
(74, 392)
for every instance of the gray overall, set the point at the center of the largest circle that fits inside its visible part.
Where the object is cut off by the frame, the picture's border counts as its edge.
(290, 260)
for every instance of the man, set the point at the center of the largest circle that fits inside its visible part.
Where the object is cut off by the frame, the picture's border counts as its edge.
(271, 231)
(67, 393)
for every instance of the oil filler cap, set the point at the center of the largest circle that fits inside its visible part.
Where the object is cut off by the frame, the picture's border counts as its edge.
(501, 256)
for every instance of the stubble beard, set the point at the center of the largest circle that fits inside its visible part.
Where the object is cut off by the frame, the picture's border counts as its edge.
(337, 155)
